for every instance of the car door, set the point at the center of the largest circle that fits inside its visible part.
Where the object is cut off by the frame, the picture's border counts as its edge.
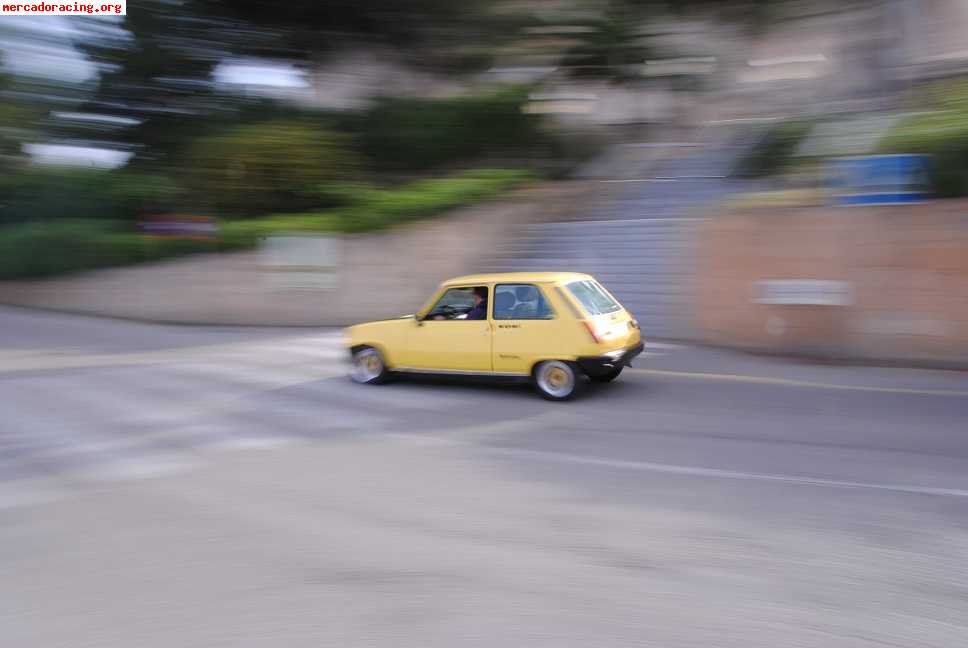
(452, 344)
(525, 327)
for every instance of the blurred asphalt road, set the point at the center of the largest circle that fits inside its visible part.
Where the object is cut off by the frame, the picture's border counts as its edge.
(182, 486)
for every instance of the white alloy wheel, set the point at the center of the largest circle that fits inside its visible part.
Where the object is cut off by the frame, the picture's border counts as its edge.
(368, 366)
(556, 380)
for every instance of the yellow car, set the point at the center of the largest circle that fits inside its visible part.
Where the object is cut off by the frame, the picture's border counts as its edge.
(553, 328)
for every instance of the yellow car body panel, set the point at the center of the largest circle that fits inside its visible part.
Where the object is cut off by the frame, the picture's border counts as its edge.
(449, 346)
(504, 343)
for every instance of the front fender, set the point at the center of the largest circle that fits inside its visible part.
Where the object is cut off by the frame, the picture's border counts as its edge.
(387, 336)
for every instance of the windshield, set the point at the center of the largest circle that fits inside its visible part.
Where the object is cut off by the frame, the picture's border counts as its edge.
(593, 297)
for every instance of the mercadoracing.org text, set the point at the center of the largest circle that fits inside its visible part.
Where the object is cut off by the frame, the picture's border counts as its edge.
(118, 8)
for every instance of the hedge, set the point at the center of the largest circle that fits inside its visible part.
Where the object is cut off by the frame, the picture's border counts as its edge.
(59, 247)
(942, 135)
(48, 193)
(941, 132)
(50, 248)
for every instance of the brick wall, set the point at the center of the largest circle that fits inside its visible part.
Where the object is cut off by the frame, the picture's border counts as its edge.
(906, 266)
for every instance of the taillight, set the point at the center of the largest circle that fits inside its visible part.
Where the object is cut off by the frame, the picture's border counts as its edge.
(590, 327)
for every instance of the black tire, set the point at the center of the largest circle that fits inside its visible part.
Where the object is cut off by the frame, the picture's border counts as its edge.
(608, 376)
(368, 367)
(557, 380)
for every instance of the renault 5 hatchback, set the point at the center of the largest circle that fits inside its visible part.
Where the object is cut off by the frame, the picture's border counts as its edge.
(556, 329)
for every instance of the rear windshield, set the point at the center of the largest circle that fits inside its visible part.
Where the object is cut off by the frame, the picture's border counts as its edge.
(593, 297)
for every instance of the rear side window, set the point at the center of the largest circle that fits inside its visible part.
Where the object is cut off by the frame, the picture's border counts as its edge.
(520, 301)
(593, 297)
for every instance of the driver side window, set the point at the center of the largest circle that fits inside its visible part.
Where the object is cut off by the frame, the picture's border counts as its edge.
(460, 304)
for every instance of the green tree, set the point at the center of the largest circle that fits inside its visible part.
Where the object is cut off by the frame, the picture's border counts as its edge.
(308, 27)
(14, 125)
(266, 167)
(419, 133)
(611, 44)
(156, 70)
(156, 77)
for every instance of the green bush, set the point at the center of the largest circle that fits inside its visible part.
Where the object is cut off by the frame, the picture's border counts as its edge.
(774, 153)
(423, 133)
(49, 248)
(946, 95)
(138, 194)
(45, 249)
(944, 136)
(240, 234)
(427, 197)
(270, 166)
(53, 193)
(39, 249)
(373, 209)
(941, 132)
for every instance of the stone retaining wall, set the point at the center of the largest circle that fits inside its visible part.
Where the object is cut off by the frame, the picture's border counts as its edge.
(379, 275)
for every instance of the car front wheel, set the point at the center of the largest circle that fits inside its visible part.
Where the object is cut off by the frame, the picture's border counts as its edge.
(368, 366)
(557, 380)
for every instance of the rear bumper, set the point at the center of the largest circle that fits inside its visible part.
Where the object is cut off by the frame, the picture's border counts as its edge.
(607, 362)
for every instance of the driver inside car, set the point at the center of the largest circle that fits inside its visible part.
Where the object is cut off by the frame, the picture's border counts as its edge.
(477, 312)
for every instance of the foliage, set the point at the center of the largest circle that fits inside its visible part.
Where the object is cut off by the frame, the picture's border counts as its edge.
(611, 45)
(310, 26)
(40, 249)
(138, 194)
(14, 123)
(422, 133)
(156, 70)
(268, 166)
(156, 76)
(12, 118)
(947, 95)
(52, 248)
(379, 209)
(774, 153)
(941, 133)
(374, 209)
(52, 193)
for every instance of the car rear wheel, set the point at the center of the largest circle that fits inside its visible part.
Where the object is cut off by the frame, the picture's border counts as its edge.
(368, 366)
(557, 380)
(608, 376)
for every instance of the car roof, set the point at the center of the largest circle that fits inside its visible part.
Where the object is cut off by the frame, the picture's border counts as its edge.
(518, 277)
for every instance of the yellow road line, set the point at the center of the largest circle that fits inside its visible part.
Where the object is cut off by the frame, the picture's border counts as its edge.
(789, 382)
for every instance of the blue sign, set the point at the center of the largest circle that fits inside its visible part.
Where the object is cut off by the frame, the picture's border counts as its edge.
(880, 179)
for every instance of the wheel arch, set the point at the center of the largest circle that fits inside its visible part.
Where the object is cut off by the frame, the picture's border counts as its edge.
(387, 361)
(563, 358)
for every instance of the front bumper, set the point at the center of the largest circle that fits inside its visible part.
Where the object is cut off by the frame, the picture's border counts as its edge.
(602, 364)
